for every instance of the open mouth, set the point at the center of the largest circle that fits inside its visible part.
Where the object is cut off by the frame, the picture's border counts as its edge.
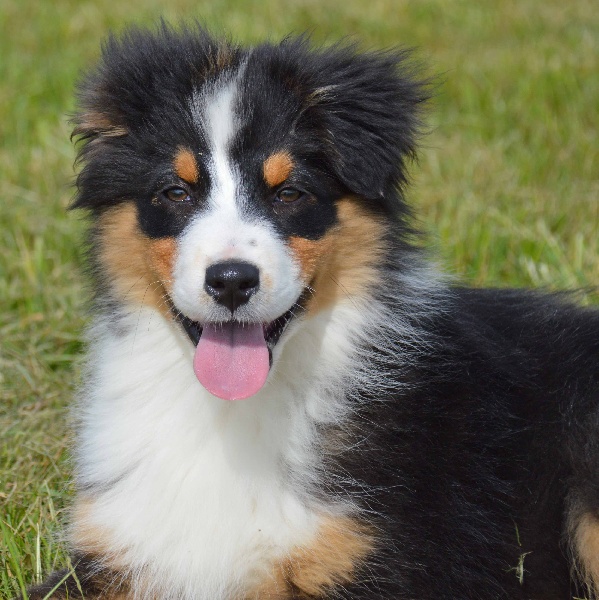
(233, 358)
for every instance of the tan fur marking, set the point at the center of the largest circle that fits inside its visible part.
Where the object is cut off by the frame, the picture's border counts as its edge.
(342, 263)
(274, 587)
(99, 571)
(586, 547)
(338, 550)
(311, 253)
(87, 538)
(139, 268)
(161, 256)
(276, 168)
(98, 123)
(186, 166)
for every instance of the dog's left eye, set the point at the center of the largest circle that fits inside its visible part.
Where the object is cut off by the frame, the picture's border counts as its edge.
(176, 194)
(289, 195)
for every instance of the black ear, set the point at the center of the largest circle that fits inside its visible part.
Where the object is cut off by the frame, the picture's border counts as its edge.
(143, 69)
(104, 94)
(98, 118)
(369, 107)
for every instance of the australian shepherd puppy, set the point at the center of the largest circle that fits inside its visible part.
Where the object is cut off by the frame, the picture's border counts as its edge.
(283, 399)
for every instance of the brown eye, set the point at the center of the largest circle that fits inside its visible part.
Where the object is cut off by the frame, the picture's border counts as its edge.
(176, 194)
(289, 195)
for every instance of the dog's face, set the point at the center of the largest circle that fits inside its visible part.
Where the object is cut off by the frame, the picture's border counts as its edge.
(239, 190)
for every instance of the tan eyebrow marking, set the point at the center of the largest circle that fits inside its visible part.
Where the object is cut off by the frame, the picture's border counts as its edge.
(186, 166)
(277, 167)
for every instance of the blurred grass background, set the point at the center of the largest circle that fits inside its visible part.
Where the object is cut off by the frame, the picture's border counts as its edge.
(507, 185)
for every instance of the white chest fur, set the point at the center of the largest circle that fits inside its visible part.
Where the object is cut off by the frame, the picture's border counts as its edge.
(199, 495)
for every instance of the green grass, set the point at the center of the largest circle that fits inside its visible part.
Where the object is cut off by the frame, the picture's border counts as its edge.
(507, 186)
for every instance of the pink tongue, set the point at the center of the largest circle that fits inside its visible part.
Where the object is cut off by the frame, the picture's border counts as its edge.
(231, 360)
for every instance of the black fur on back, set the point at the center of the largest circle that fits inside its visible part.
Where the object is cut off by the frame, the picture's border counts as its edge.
(470, 455)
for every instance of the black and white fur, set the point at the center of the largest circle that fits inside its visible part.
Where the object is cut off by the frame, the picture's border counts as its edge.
(459, 426)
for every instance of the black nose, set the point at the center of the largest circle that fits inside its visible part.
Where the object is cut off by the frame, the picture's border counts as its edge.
(232, 283)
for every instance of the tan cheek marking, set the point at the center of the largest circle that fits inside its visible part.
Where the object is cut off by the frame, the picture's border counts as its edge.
(139, 268)
(276, 168)
(162, 254)
(339, 549)
(347, 267)
(186, 166)
(311, 253)
(585, 540)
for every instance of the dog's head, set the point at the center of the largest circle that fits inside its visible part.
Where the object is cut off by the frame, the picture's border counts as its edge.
(237, 190)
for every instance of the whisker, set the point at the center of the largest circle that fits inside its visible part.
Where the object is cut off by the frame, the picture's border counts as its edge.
(141, 306)
(344, 290)
(131, 288)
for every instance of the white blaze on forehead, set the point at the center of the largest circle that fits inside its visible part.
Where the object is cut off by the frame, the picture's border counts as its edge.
(214, 112)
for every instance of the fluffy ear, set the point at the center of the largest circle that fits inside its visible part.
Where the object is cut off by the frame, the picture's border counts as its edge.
(98, 118)
(99, 100)
(369, 106)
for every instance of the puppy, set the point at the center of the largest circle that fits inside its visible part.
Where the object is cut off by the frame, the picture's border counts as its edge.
(282, 398)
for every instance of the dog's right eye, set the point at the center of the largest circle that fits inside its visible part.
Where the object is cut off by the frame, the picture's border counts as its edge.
(176, 194)
(289, 195)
